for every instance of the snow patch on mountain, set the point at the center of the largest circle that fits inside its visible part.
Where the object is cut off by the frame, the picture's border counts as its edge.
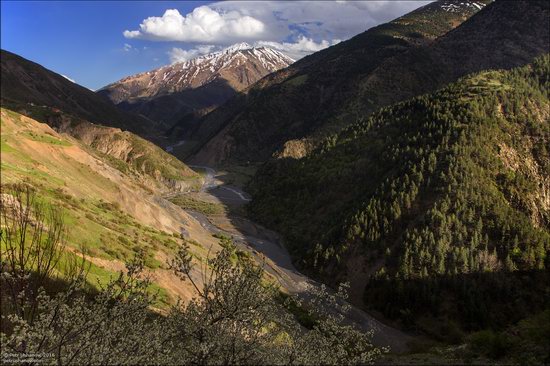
(455, 7)
(240, 65)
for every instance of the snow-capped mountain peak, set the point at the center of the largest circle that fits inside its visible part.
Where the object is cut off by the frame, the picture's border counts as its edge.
(240, 65)
(237, 47)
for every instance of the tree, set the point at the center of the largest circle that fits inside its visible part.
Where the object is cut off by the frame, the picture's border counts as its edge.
(32, 244)
(236, 320)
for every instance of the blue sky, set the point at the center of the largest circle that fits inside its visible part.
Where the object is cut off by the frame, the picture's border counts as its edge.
(98, 42)
(84, 40)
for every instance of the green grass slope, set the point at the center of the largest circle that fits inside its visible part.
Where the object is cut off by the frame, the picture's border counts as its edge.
(109, 211)
(34, 91)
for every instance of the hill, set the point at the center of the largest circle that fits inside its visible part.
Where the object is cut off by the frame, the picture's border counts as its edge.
(32, 90)
(110, 210)
(25, 82)
(293, 112)
(437, 207)
(502, 36)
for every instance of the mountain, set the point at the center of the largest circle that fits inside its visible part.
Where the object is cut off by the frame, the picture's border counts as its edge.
(436, 209)
(108, 182)
(288, 113)
(25, 82)
(424, 206)
(496, 38)
(170, 92)
(43, 95)
(306, 98)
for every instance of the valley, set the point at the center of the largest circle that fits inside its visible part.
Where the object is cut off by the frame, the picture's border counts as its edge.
(267, 248)
(296, 183)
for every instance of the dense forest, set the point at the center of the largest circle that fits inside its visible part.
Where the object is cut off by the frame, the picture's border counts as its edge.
(440, 203)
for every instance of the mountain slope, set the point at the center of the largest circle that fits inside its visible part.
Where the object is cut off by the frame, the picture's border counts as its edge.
(25, 82)
(437, 207)
(34, 91)
(304, 98)
(502, 36)
(168, 93)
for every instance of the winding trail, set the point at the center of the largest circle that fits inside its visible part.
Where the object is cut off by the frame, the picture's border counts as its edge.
(266, 246)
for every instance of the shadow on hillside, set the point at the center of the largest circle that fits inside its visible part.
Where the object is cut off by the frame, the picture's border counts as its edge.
(470, 302)
(51, 286)
(180, 112)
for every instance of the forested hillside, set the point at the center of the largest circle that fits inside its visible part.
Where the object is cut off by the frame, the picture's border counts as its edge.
(504, 35)
(302, 99)
(438, 205)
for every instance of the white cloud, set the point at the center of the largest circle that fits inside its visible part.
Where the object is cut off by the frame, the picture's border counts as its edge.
(296, 28)
(318, 20)
(180, 55)
(131, 34)
(302, 47)
(68, 78)
(127, 47)
(203, 24)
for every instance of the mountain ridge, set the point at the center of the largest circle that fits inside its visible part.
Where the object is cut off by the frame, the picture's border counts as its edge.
(302, 99)
(27, 81)
(47, 97)
(199, 83)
